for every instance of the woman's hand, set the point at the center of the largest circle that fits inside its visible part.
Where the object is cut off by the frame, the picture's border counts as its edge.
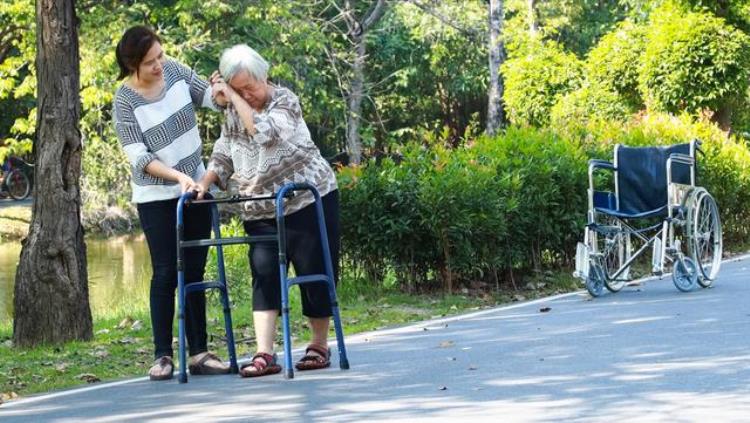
(218, 89)
(201, 188)
(186, 183)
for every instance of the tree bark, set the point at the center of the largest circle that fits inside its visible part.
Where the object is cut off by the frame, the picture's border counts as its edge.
(354, 102)
(357, 34)
(533, 24)
(51, 302)
(495, 110)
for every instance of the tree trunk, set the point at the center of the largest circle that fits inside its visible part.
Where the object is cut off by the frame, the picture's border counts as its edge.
(533, 24)
(495, 112)
(51, 291)
(354, 116)
(357, 30)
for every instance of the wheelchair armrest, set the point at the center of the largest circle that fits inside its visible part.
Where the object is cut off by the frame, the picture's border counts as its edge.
(681, 158)
(601, 164)
(598, 164)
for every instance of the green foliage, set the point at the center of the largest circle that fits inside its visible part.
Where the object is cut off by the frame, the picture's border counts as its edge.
(536, 79)
(576, 24)
(614, 63)
(694, 61)
(465, 213)
(590, 102)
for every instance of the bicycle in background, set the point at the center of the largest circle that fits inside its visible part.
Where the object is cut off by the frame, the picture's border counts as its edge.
(16, 178)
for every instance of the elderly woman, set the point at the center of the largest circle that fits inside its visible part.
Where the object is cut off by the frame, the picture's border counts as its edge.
(265, 144)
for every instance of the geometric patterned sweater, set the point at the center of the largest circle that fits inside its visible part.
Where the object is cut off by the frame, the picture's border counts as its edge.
(280, 152)
(163, 128)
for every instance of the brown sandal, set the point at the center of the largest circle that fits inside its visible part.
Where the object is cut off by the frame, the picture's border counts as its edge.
(163, 369)
(314, 361)
(263, 363)
(207, 364)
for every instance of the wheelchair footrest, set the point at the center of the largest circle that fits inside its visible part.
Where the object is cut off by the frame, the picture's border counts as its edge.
(299, 280)
(203, 286)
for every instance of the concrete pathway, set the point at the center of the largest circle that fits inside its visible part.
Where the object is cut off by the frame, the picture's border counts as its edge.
(646, 354)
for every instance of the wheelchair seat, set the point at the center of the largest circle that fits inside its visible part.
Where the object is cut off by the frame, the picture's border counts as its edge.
(641, 178)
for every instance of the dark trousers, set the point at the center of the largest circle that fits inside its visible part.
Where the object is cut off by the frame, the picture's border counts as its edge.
(303, 251)
(159, 220)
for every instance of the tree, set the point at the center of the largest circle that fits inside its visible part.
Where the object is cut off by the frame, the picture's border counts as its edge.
(695, 62)
(495, 112)
(51, 290)
(356, 31)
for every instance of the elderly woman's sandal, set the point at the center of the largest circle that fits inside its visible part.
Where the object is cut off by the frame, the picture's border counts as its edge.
(260, 365)
(207, 363)
(162, 369)
(320, 360)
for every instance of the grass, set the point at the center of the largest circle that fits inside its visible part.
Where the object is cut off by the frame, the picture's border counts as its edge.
(122, 346)
(14, 222)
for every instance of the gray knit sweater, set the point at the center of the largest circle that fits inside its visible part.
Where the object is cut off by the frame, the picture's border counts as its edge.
(164, 128)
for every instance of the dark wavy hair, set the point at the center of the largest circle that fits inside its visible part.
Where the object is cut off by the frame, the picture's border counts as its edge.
(133, 45)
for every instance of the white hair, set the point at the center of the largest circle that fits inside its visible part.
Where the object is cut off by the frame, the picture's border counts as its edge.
(242, 58)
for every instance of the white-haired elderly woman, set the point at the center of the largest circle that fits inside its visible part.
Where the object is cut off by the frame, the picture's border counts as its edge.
(265, 144)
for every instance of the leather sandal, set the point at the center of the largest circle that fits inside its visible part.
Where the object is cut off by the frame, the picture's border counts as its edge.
(321, 360)
(207, 364)
(260, 365)
(163, 369)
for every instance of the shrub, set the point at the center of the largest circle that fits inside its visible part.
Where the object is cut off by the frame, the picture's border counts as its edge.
(613, 64)
(535, 81)
(694, 61)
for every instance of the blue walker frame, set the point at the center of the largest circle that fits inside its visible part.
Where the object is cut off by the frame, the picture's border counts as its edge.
(280, 238)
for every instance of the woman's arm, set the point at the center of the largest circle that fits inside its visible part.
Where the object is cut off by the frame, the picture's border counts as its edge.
(141, 159)
(160, 170)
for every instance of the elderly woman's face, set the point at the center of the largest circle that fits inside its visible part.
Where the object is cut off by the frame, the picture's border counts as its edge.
(250, 89)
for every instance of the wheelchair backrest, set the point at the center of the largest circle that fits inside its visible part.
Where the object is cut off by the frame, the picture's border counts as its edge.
(642, 176)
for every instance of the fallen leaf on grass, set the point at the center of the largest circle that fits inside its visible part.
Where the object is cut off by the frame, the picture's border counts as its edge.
(62, 367)
(88, 377)
(137, 325)
(128, 321)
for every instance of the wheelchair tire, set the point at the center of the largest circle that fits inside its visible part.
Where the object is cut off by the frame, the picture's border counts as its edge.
(685, 274)
(18, 184)
(616, 251)
(595, 281)
(704, 235)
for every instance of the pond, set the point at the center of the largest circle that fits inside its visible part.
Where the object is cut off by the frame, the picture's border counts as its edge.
(119, 273)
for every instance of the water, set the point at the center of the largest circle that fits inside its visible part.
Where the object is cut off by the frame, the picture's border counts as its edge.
(119, 273)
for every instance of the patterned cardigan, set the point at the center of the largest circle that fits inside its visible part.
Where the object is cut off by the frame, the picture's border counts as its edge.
(280, 152)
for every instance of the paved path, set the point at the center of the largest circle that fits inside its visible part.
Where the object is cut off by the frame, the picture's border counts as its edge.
(649, 353)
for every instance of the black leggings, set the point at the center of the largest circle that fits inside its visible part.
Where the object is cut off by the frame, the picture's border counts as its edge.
(303, 251)
(158, 219)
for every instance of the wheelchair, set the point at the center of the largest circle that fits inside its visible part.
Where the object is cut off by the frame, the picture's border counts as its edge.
(655, 205)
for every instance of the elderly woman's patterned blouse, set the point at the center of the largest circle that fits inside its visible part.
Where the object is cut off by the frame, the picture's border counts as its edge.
(280, 152)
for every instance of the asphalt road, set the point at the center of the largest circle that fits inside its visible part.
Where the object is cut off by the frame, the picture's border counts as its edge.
(648, 353)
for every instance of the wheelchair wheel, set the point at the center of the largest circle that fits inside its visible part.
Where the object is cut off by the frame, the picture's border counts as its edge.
(614, 247)
(685, 274)
(19, 186)
(595, 281)
(704, 235)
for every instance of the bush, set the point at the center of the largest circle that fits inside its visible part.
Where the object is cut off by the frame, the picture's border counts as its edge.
(694, 61)
(536, 80)
(613, 64)
(590, 102)
(503, 204)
